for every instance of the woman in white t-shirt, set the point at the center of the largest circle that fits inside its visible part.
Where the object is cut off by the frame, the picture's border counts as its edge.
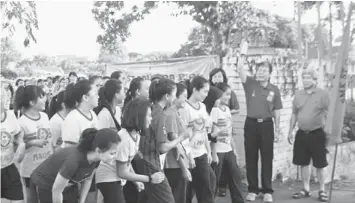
(109, 116)
(136, 118)
(223, 149)
(35, 126)
(85, 94)
(59, 108)
(198, 120)
(12, 152)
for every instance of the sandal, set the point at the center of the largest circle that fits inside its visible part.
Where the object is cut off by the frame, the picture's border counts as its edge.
(322, 196)
(301, 194)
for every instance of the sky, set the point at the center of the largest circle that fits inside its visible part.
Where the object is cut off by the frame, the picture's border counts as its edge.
(68, 28)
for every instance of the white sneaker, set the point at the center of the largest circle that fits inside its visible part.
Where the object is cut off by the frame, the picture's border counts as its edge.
(268, 198)
(251, 197)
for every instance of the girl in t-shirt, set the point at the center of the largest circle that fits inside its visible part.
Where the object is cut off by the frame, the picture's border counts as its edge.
(35, 126)
(162, 93)
(12, 152)
(55, 179)
(85, 94)
(59, 108)
(197, 118)
(223, 150)
(177, 163)
(136, 118)
(109, 116)
(137, 87)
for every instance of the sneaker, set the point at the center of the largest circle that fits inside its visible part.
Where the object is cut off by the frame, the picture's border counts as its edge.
(222, 191)
(251, 197)
(268, 198)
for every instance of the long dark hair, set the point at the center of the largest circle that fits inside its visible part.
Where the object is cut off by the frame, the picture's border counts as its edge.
(56, 104)
(160, 87)
(132, 90)
(103, 139)
(106, 95)
(24, 95)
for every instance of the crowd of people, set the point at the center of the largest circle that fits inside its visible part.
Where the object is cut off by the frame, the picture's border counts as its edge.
(70, 139)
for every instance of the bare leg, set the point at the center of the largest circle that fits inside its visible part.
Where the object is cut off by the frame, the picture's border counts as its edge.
(321, 179)
(306, 174)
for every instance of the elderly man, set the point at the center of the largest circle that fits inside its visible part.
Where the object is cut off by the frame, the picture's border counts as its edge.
(310, 107)
(261, 127)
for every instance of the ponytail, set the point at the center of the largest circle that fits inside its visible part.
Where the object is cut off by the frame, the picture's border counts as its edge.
(132, 90)
(188, 87)
(103, 139)
(87, 139)
(153, 90)
(69, 97)
(24, 95)
(106, 96)
(56, 104)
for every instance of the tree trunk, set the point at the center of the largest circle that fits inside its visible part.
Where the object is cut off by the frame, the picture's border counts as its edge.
(320, 49)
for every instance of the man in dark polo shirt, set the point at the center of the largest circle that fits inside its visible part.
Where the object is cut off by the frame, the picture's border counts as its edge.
(263, 108)
(310, 107)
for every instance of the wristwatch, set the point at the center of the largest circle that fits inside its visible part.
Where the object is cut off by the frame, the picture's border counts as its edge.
(150, 179)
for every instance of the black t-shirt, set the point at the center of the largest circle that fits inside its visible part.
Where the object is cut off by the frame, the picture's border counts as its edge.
(69, 162)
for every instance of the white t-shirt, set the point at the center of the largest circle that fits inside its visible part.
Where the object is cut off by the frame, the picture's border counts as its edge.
(56, 124)
(105, 119)
(222, 120)
(198, 122)
(75, 123)
(33, 130)
(126, 151)
(9, 129)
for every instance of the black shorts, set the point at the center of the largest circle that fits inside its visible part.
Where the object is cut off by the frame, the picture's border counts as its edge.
(310, 145)
(11, 186)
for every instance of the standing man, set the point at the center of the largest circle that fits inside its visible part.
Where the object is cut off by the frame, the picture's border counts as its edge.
(263, 102)
(310, 108)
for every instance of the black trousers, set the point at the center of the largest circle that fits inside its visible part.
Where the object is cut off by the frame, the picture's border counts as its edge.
(112, 192)
(259, 136)
(40, 194)
(177, 183)
(203, 181)
(228, 162)
(223, 179)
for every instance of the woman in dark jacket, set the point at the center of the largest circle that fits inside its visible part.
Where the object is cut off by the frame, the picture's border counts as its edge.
(219, 75)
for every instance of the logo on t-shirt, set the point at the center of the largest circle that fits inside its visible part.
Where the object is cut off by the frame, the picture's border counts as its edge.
(43, 134)
(6, 139)
(270, 96)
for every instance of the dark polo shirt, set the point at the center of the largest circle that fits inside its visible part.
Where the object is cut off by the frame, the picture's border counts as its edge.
(311, 108)
(261, 101)
(149, 143)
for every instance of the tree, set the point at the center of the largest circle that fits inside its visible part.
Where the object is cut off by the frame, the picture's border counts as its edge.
(115, 23)
(7, 73)
(8, 52)
(15, 13)
(113, 53)
(199, 43)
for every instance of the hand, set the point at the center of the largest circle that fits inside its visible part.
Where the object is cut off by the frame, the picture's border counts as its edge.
(234, 131)
(139, 186)
(187, 175)
(223, 133)
(157, 177)
(215, 158)
(290, 138)
(192, 162)
(209, 158)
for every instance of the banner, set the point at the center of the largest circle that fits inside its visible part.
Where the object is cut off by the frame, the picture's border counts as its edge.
(337, 103)
(174, 69)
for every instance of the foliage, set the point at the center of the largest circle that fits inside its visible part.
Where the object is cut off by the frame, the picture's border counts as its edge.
(114, 22)
(199, 43)
(8, 52)
(116, 53)
(8, 74)
(16, 13)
